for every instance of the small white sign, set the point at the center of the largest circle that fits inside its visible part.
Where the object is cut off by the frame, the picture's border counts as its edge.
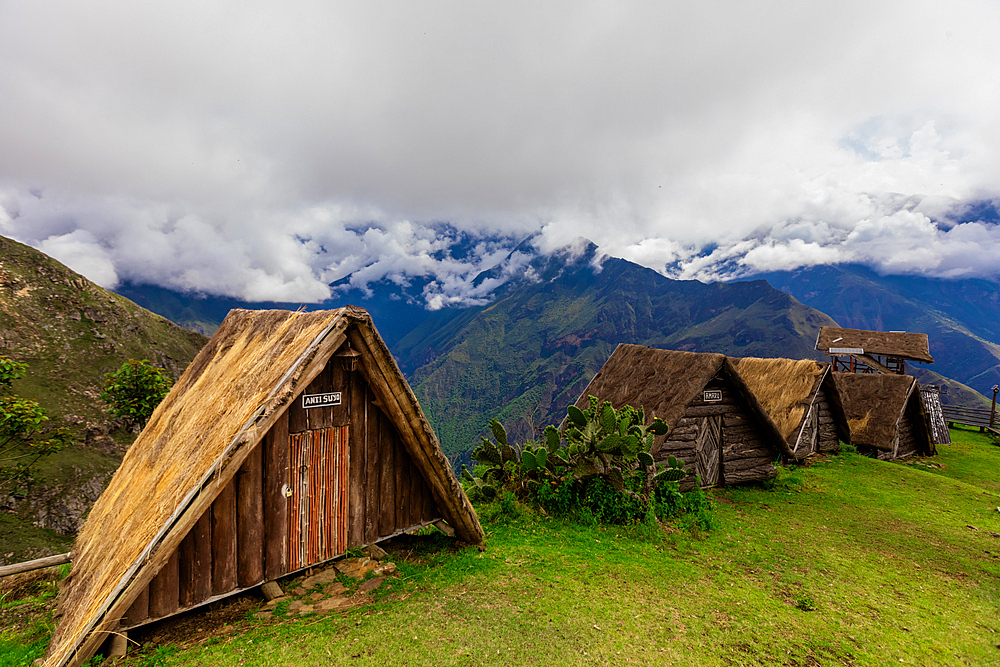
(320, 400)
(846, 350)
(712, 395)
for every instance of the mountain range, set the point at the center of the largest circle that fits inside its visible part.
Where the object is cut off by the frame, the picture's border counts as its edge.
(553, 321)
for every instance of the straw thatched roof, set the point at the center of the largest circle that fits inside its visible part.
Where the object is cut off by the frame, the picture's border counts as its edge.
(196, 440)
(913, 346)
(664, 382)
(874, 405)
(784, 387)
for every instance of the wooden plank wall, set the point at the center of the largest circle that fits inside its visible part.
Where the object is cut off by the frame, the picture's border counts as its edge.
(746, 454)
(828, 438)
(908, 445)
(242, 540)
(222, 552)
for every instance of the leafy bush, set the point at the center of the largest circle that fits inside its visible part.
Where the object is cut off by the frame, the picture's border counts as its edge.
(24, 439)
(134, 390)
(599, 469)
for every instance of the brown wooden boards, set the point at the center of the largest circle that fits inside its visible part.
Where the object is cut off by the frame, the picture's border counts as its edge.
(250, 520)
(709, 450)
(224, 541)
(276, 480)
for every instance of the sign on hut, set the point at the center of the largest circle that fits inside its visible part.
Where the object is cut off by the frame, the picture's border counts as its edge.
(802, 401)
(885, 416)
(291, 438)
(716, 425)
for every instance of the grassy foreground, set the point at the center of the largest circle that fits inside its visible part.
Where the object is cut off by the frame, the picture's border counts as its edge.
(849, 561)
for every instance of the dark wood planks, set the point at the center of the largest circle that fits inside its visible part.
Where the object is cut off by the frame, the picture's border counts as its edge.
(373, 481)
(164, 592)
(359, 462)
(224, 540)
(250, 520)
(139, 611)
(275, 503)
(387, 480)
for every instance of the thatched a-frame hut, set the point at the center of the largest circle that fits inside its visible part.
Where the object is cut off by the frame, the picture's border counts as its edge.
(802, 401)
(717, 426)
(885, 415)
(291, 438)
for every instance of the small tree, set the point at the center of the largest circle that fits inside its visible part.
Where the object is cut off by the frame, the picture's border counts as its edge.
(23, 439)
(134, 390)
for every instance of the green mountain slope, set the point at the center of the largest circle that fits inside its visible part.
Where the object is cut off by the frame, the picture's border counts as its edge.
(72, 332)
(529, 354)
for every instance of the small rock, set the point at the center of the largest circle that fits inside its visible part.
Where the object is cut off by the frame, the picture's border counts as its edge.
(371, 584)
(271, 604)
(263, 615)
(330, 604)
(384, 569)
(300, 591)
(315, 597)
(324, 577)
(336, 588)
(356, 568)
(375, 551)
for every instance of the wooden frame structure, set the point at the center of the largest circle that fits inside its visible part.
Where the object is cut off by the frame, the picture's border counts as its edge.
(861, 351)
(716, 424)
(290, 438)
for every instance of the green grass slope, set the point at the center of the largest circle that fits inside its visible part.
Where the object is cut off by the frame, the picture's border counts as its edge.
(72, 332)
(529, 354)
(850, 561)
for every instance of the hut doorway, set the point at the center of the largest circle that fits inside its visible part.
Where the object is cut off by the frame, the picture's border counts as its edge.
(708, 448)
(319, 467)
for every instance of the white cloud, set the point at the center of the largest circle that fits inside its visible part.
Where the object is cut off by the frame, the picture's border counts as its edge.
(264, 151)
(80, 251)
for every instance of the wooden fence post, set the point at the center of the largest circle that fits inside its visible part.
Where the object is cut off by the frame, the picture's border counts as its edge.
(993, 410)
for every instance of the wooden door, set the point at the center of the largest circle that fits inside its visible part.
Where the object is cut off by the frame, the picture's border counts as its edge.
(708, 448)
(318, 470)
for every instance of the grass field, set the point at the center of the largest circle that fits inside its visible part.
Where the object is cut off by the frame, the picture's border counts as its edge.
(849, 561)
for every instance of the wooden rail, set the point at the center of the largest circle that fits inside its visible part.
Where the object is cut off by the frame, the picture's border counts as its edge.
(37, 564)
(980, 417)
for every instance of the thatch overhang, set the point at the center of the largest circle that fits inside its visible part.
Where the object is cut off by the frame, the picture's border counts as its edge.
(787, 387)
(910, 346)
(665, 382)
(197, 439)
(874, 405)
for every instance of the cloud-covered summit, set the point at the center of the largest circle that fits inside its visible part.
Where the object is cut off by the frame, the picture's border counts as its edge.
(266, 151)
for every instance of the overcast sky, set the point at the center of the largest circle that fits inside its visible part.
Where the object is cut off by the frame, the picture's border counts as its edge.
(264, 150)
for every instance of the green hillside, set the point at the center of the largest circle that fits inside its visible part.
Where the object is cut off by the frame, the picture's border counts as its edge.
(529, 354)
(844, 562)
(72, 332)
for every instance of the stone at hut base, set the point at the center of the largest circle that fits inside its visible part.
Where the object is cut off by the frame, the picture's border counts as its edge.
(356, 568)
(375, 551)
(325, 577)
(271, 590)
(384, 569)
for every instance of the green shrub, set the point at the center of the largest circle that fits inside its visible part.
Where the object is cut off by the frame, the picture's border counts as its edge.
(133, 391)
(598, 469)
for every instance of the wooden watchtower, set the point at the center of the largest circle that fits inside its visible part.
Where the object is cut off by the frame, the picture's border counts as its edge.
(860, 351)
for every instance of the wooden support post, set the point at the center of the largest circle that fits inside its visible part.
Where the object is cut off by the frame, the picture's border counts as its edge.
(118, 645)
